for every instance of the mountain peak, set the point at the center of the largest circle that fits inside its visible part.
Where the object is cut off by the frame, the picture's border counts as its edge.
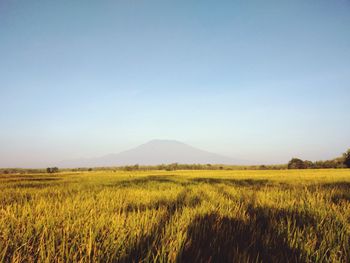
(162, 141)
(154, 152)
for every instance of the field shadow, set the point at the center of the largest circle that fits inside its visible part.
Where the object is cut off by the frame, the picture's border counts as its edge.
(15, 199)
(171, 180)
(146, 248)
(42, 179)
(31, 182)
(17, 176)
(161, 204)
(341, 191)
(166, 179)
(214, 238)
(342, 185)
(39, 185)
(143, 181)
(338, 198)
(233, 182)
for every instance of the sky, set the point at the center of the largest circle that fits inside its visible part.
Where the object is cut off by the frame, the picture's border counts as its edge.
(262, 81)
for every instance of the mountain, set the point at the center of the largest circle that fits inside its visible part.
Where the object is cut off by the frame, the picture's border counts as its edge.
(153, 153)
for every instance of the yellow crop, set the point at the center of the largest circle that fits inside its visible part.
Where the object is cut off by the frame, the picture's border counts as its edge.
(176, 216)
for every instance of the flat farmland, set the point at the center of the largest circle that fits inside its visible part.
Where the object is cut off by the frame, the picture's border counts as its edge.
(176, 216)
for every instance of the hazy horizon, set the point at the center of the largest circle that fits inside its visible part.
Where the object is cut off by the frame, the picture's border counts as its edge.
(112, 157)
(262, 81)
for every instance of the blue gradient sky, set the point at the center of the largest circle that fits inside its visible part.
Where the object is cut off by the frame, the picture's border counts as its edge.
(257, 80)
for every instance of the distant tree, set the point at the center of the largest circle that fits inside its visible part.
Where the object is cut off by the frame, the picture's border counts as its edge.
(52, 170)
(308, 164)
(172, 167)
(161, 167)
(329, 164)
(346, 157)
(296, 163)
(128, 168)
(340, 162)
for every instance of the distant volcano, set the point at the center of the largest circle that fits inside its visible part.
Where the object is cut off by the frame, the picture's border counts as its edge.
(152, 153)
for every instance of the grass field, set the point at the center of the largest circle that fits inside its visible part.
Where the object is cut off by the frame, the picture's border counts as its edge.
(176, 216)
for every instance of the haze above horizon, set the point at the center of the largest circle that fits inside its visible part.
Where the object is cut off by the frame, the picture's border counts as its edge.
(261, 81)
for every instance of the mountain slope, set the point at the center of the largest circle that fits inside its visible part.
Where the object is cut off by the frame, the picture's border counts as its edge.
(153, 153)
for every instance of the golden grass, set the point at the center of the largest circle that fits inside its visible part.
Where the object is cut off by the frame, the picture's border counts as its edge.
(176, 216)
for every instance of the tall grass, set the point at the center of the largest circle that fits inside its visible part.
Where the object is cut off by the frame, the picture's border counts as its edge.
(176, 216)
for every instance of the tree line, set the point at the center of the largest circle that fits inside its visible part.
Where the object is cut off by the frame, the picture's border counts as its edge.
(295, 163)
(340, 162)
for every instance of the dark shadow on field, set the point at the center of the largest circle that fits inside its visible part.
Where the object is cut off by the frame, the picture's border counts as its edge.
(29, 181)
(145, 181)
(233, 182)
(160, 204)
(213, 238)
(24, 180)
(33, 185)
(337, 198)
(342, 185)
(16, 176)
(34, 182)
(15, 199)
(341, 191)
(142, 181)
(146, 248)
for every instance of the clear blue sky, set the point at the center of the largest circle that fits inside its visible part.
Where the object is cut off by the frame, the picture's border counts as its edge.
(256, 80)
